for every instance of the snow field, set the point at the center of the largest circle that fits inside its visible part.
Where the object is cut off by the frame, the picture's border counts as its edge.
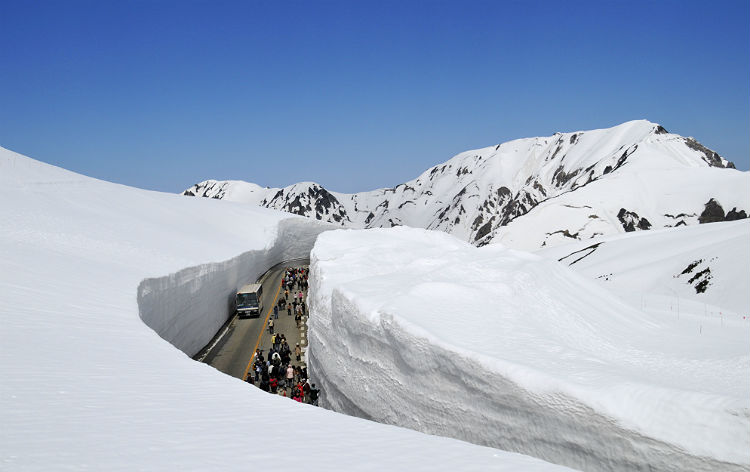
(502, 348)
(86, 385)
(646, 269)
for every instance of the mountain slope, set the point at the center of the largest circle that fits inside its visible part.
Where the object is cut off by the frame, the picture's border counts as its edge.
(703, 269)
(477, 194)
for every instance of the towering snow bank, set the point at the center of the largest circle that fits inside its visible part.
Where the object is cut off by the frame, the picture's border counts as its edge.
(188, 307)
(419, 329)
(87, 385)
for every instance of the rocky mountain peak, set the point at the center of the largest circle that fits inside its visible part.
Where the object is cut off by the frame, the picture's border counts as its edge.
(479, 195)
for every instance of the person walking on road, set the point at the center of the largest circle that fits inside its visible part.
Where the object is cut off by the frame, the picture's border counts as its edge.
(298, 352)
(270, 326)
(290, 376)
(276, 312)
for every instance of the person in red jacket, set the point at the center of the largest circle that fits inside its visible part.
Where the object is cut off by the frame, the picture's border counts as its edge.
(274, 384)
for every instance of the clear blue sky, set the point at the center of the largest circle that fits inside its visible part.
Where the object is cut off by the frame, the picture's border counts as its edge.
(354, 95)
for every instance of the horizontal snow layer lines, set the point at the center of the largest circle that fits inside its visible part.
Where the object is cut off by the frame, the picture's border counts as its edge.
(188, 307)
(376, 357)
(385, 373)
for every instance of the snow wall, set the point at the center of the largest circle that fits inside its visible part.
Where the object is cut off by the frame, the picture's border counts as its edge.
(373, 362)
(188, 307)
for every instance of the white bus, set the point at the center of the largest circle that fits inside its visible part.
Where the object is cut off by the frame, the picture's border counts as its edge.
(248, 301)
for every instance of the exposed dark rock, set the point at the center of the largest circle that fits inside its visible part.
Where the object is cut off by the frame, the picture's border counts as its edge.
(701, 280)
(701, 286)
(484, 230)
(691, 266)
(660, 130)
(442, 213)
(705, 274)
(710, 157)
(735, 215)
(539, 187)
(630, 220)
(574, 138)
(477, 221)
(712, 213)
(621, 161)
(556, 151)
(587, 251)
(565, 233)
(560, 178)
(189, 193)
(369, 218)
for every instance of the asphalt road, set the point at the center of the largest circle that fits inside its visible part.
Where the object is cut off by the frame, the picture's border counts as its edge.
(234, 351)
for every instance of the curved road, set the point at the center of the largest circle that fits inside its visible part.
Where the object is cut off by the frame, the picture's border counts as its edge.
(234, 351)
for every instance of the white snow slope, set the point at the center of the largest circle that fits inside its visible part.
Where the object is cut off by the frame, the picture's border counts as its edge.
(86, 385)
(702, 270)
(504, 348)
(535, 192)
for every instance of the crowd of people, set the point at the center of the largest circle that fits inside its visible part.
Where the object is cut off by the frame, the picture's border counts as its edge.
(277, 374)
(280, 376)
(294, 283)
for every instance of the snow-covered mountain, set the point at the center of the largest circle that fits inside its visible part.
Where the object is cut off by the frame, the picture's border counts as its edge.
(535, 192)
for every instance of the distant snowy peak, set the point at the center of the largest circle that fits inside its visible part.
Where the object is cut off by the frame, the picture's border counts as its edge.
(308, 199)
(477, 194)
(233, 190)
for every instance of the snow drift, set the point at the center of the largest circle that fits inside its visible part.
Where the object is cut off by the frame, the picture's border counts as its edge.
(501, 348)
(87, 385)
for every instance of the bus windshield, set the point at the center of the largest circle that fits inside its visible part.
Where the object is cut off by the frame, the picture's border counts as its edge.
(247, 300)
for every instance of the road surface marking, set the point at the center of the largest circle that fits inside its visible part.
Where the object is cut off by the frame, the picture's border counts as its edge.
(262, 329)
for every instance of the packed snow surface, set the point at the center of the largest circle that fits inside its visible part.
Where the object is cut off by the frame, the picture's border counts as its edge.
(504, 348)
(690, 270)
(85, 265)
